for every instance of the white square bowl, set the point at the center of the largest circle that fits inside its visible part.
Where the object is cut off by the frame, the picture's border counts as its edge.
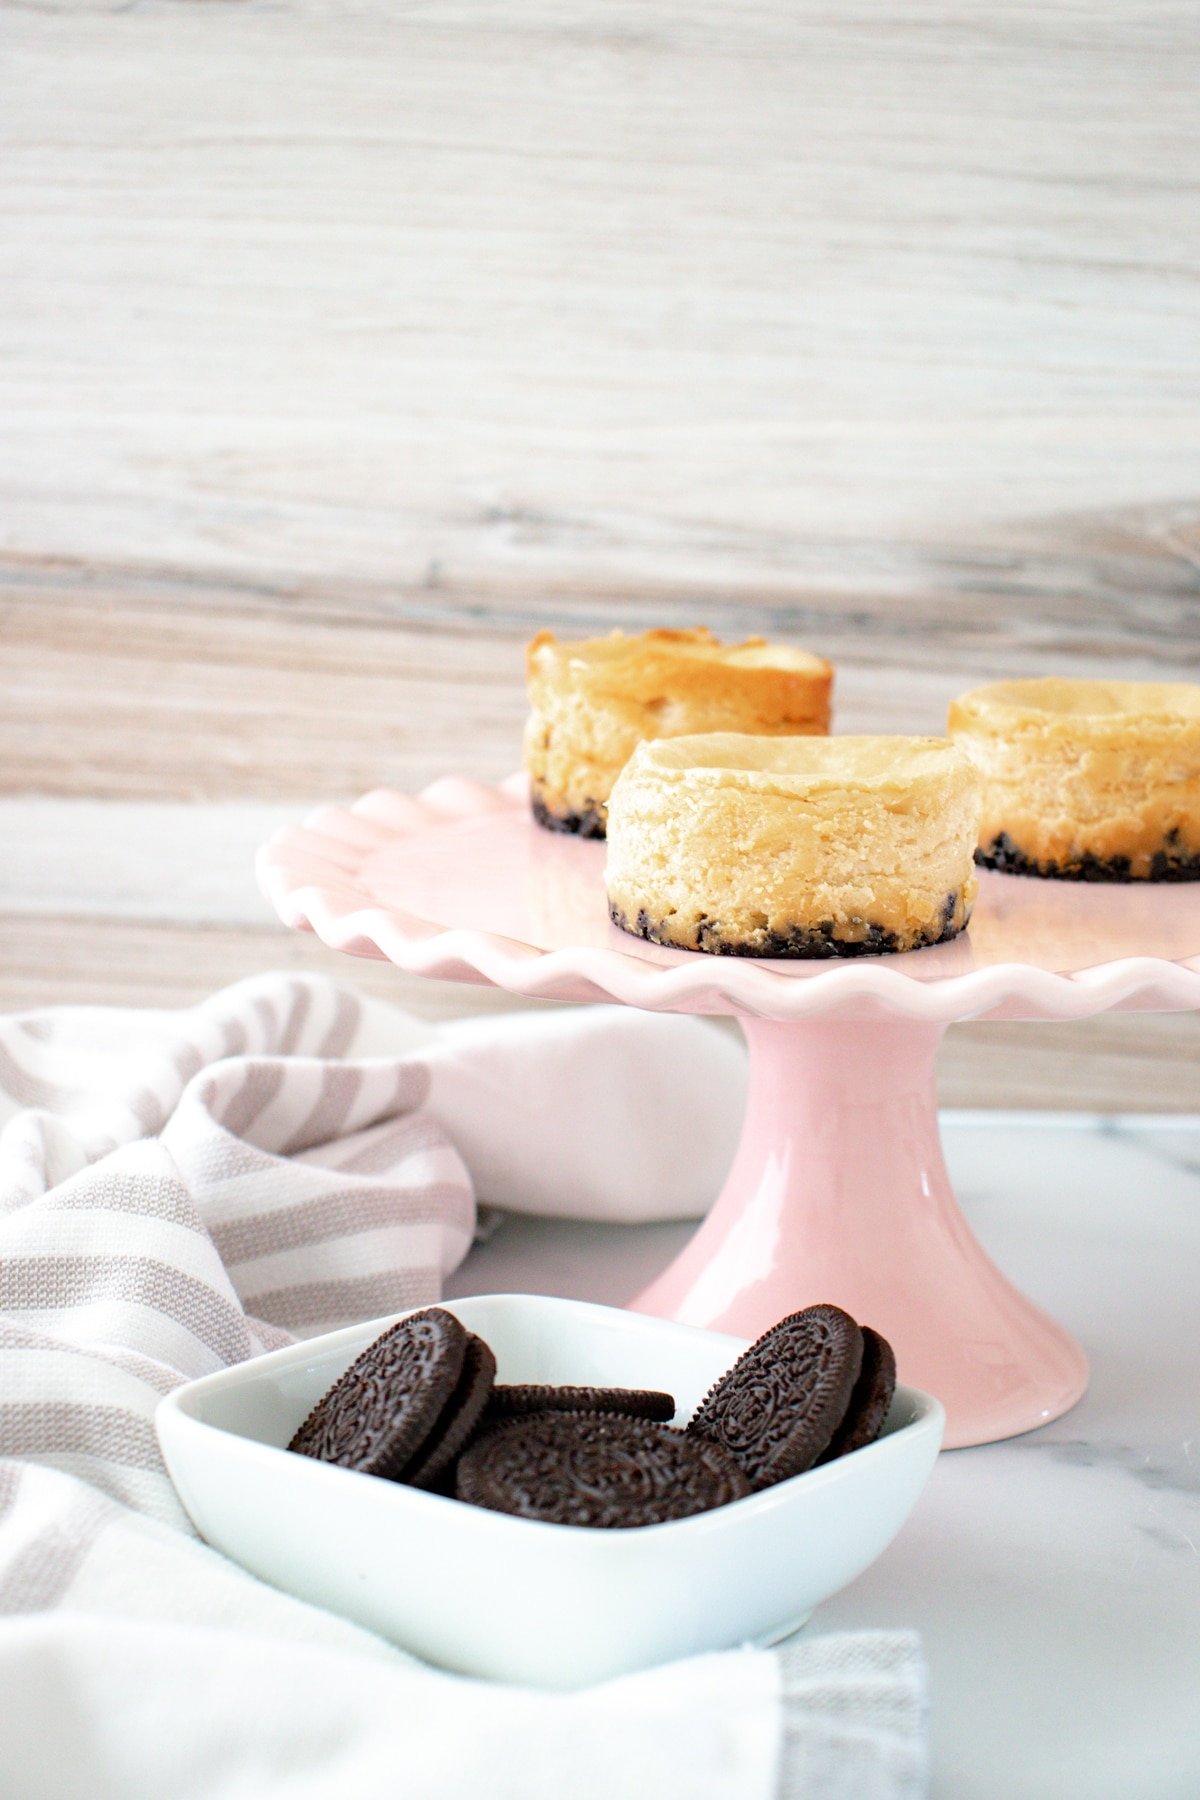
(512, 1599)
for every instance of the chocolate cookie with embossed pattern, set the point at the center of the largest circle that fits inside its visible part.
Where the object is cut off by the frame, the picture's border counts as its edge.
(780, 1404)
(871, 1400)
(596, 1469)
(382, 1410)
(508, 1401)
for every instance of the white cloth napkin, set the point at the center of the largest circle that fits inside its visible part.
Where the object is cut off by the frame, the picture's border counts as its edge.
(181, 1190)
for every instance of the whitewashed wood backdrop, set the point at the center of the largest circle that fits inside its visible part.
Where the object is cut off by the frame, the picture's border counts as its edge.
(343, 345)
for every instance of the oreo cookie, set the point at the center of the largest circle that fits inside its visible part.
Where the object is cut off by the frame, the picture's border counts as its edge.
(458, 1420)
(778, 1407)
(381, 1412)
(871, 1400)
(597, 1470)
(509, 1401)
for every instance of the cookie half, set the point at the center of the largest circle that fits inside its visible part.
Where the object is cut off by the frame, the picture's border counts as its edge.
(777, 1409)
(380, 1413)
(871, 1400)
(458, 1420)
(596, 1470)
(511, 1401)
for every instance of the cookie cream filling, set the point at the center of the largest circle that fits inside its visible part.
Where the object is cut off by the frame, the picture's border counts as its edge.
(741, 845)
(1091, 780)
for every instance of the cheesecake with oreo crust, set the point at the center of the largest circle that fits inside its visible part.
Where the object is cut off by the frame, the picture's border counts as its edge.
(1086, 780)
(793, 847)
(592, 703)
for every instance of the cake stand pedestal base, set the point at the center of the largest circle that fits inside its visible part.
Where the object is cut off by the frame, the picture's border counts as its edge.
(839, 1192)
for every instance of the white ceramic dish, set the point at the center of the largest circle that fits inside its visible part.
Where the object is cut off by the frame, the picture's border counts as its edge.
(489, 1595)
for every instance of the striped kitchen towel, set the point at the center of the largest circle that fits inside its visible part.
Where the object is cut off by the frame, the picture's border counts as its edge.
(179, 1191)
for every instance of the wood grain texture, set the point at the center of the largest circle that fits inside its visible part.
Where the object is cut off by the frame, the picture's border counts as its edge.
(596, 291)
(341, 348)
(52, 960)
(124, 685)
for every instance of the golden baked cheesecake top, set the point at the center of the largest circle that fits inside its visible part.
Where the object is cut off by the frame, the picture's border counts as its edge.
(645, 651)
(750, 846)
(1086, 780)
(682, 663)
(592, 703)
(1054, 701)
(818, 767)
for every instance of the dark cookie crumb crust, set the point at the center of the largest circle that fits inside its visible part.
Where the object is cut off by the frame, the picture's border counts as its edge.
(590, 823)
(1165, 865)
(818, 941)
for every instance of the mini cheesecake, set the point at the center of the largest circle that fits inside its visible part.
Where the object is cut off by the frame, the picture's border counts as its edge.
(750, 846)
(1086, 780)
(593, 703)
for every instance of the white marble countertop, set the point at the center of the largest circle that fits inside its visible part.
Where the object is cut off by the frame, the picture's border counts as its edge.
(1055, 1578)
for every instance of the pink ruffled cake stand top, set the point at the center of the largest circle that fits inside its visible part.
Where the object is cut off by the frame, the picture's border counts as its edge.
(838, 1190)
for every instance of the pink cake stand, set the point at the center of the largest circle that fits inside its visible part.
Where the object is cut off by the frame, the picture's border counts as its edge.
(838, 1190)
